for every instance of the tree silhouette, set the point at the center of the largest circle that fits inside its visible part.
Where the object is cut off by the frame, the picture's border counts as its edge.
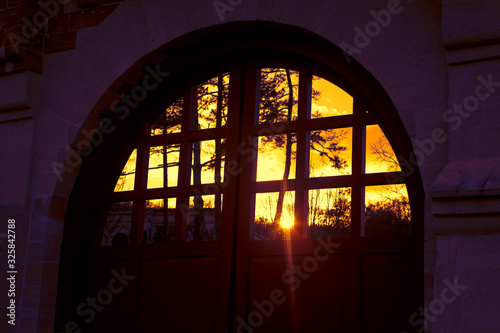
(382, 150)
(276, 105)
(212, 98)
(211, 112)
(392, 214)
(278, 102)
(329, 212)
(170, 120)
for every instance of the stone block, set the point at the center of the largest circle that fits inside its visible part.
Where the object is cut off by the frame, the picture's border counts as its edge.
(14, 88)
(28, 319)
(467, 23)
(484, 136)
(459, 251)
(31, 297)
(462, 145)
(12, 15)
(59, 42)
(37, 229)
(58, 24)
(35, 44)
(477, 175)
(89, 17)
(33, 274)
(33, 61)
(478, 250)
(447, 320)
(481, 313)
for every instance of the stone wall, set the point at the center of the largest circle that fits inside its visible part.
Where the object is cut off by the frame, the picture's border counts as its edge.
(428, 55)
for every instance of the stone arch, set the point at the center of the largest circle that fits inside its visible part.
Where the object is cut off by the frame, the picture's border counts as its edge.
(226, 39)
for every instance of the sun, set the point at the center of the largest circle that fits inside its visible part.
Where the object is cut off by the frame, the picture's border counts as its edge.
(287, 222)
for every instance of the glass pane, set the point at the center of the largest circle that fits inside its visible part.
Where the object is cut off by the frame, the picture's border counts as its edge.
(127, 177)
(155, 231)
(169, 121)
(159, 157)
(204, 214)
(278, 95)
(330, 152)
(208, 162)
(330, 212)
(274, 215)
(387, 211)
(212, 102)
(380, 156)
(328, 100)
(276, 157)
(117, 226)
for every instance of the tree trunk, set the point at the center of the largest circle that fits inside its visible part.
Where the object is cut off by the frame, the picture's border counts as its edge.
(288, 153)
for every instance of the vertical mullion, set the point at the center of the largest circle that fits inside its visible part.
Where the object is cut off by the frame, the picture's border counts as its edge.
(357, 169)
(361, 184)
(165, 199)
(225, 299)
(245, 215)
(182, 204)
(164, 150)
(353, 258)
(302, 164)
(138, 209)
(147, 131)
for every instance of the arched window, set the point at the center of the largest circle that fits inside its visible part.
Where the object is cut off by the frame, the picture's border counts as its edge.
(317, 164)
(259, 187)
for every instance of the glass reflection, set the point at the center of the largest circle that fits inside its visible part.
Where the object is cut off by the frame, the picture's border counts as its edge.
(204, 217)
(329, 212)
(330, 152)
(278, 95)
(157, 229)
(127, 177)
(169, 121)
(208, 162)
(212, 97)
(328, 100)
(118, 222)
(380, 156)
(387, 211)
(274, 215)
(163, 164)
(276, 157)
